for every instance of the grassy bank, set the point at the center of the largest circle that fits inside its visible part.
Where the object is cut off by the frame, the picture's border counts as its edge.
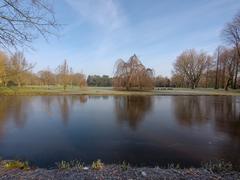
(57, 90)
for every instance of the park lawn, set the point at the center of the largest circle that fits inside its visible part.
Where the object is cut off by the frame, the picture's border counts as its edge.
(58, 90)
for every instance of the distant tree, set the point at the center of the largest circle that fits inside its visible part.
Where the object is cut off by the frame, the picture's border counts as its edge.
(3, 68)
(218, 52)
(22, 20)
(209, 67)
(229, 57)
(63, 74)
(79, 79)
(231, 34)
(47, 77)
(178, 80)
(161, 81)
(18, 67)
(191, 65)
(132, 74)
(101, 81)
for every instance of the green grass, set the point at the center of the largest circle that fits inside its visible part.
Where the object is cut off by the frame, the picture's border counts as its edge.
(58, 90)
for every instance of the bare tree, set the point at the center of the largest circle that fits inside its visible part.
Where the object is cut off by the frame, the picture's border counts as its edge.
(178, 80)
(231, 34)
(63, 74)
(47, 77)
(209, 65)
(18, 66)
(218, 52)
(161, 81)
(79, 79)
(3, 68)
(191, 65)
(21, 21)
(132, 74)
(229, 56)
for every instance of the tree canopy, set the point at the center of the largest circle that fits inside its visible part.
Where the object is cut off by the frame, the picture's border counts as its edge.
(132, 74)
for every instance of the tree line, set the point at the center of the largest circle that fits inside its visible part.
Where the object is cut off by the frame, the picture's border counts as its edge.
(100, 81)
(15, 70)
(23, 21)
(220, 70)
(191, 68)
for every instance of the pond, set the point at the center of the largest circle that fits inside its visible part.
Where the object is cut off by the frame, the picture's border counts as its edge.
(141, 130)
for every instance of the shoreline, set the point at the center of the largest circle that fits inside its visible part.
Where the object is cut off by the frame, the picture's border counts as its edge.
(116, 172)
(103, 91)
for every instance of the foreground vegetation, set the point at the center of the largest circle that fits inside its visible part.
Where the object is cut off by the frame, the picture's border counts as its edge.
(66, 170)
(75, 90)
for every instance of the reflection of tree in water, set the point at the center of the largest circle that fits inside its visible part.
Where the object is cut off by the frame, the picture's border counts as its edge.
(47, 101)
(83, 99)
(190, 110)
(13, 108)
(132, 108)
(98, 97)
(224, 111)
(66, 103)
(227, 113)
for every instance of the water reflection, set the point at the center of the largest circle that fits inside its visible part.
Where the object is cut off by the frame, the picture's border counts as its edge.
(66, 104)
(185, 129)
(199, 110)
(227, 116)
(191, 110)
(14, 109)
(132, 109)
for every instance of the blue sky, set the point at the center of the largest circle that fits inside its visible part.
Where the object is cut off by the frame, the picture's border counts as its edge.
(95, 33)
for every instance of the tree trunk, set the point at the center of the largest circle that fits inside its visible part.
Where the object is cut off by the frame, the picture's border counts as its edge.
(193, 85)
(237, 65)
(227, 84)
(216, 78)
(223, 76)
(236, 74)
(206, 85)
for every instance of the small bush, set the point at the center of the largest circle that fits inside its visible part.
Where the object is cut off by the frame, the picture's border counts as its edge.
(17, 165)
(76, 164)
(218, 166)
(97, 165)
(63, 165)
(125, 166)
(71, 164)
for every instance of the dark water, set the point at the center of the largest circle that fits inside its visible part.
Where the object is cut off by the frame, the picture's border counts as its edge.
(156, 130)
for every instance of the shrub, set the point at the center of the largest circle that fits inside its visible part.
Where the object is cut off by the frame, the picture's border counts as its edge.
(97, 165)
(17, 165)
(63, 165)
(76, 164)
(125, 166)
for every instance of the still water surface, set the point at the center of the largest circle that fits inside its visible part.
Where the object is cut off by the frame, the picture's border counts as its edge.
(142, 130)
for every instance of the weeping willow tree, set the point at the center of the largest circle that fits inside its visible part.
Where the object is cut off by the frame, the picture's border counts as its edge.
(132, 75)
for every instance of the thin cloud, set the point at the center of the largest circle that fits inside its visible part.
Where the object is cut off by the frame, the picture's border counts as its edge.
(104, 13)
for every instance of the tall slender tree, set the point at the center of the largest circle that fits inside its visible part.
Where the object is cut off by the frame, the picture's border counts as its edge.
(231, 34)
